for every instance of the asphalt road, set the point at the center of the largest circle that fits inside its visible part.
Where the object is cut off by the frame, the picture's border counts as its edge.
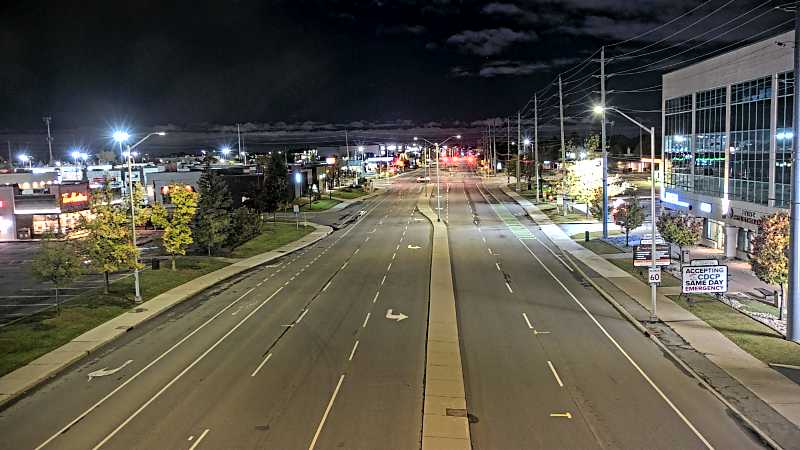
(547, 362)
(299, 354)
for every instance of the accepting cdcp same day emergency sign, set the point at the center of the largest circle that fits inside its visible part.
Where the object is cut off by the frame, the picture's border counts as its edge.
(704, 279)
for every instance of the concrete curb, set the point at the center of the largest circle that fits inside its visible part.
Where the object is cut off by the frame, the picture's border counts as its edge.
(638, 325)
(15, 384)
(444, 416)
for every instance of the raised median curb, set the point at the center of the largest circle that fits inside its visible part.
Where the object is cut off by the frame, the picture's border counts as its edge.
(17, 383)
(444, 416)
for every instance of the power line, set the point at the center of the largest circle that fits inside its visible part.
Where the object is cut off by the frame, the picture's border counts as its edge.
(661, 26)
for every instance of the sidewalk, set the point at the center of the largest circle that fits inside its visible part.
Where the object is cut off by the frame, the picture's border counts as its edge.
(18, 382)
(773, 388)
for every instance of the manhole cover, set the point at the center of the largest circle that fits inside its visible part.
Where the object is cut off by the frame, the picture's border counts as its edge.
(456, 412)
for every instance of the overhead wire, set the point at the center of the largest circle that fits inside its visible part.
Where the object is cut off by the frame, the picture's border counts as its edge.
(660, 26)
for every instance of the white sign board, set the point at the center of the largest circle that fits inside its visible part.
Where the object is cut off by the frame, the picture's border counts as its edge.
(704, 279)
(654, 275)
(296, 209)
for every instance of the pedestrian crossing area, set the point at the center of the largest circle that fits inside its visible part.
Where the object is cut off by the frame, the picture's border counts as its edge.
(511, 222)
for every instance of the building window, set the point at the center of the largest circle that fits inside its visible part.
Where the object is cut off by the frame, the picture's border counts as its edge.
(709, 162)
(749, 152)
(677, 135)
(783, 139)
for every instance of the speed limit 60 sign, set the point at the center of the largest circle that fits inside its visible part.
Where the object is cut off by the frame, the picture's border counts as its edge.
(654, 275)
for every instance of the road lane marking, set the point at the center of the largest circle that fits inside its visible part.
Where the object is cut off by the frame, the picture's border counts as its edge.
(344, 265)
(171, 382)
(106, 371)
(357, 250)
(397, 248)
(566, 415)
(366, 319)
(623, 352)
(525, 316)
(259, 284)
(394, 255)
(325, 415)
(383, 280)
(199, 439)
(390, 267)
(353, 352)
(490, 251)
(367, 239)
(509, 288)
(303, 314)
(555, 374)
(260, 365)
(375, 299)
(327, 286)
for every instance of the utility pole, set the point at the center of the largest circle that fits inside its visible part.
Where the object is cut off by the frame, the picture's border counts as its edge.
(603, 138)
(793, 318)
(536, 142)
(347, 145)
(494, 150)
(508, 148)
(519, 145)
(239, 136)
(49, 137)
(10, 160)
(563, 167)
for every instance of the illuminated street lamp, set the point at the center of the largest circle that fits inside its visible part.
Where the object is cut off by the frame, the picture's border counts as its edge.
(26, 159)
(598, 109)
(75, 155)
(225, 152)
(122, 137)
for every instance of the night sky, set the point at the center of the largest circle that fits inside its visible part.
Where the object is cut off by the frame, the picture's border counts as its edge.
(313, 66)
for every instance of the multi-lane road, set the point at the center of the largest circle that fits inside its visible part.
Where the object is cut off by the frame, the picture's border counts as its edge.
(326, 349)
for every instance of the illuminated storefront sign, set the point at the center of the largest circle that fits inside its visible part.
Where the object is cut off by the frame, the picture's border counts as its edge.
(73, 198)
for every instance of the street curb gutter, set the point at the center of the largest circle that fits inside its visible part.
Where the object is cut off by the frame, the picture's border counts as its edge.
(638, 325)
(17, 383)
(445, 425)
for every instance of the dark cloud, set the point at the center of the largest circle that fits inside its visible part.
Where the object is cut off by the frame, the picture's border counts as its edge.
(511, 11)
(401, 29)
(490, 41)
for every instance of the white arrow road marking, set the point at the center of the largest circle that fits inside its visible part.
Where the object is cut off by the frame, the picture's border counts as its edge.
(398, 317)
(566, 414)
(414, 247)
(105, 371)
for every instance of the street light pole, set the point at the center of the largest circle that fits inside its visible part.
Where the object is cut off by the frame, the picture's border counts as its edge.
(438, 196)
(652, 130)
(519, 146)
(603, 144)
(793, 318)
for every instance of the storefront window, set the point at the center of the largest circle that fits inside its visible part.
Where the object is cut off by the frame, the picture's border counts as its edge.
(44, 224)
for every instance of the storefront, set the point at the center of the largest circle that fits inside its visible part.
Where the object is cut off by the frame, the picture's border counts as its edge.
(28, 213)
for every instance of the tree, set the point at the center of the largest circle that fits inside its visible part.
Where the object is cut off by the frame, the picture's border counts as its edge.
(213, 220)
(245, 225)
(679, 229)
(177, 235)
(629, 216)
(142, 213)
(159, 216)
(108, 243)
(57, 263)
(769, 252)
(582, 180)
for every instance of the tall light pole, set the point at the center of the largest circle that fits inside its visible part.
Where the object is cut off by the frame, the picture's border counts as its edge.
(122, 137)
(49, 138)
(519, 147)
(793, 316)
(26, 159)
(600, 109)
(603, 138)
(438, 182)
(225, 152)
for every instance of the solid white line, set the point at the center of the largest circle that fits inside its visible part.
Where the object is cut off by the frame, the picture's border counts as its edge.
(555, 374)
(197, 442)
(261, 365)
(303, 314)
(509, 288)
(357, 250)
(345, 265)
(366, 319)
(353, 352)
(498, 267)
(525, 316)
(622, 351)
(136, 375)
(375, 299)
(182, 373)
(327, 286)
(325, 416)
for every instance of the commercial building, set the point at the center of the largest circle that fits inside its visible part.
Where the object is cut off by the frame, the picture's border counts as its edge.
(727, 134)
(35, 204)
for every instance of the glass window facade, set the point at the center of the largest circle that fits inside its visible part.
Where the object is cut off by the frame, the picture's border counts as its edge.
(783, 139)
(750, 140)
(709, 138)
(677, 144)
